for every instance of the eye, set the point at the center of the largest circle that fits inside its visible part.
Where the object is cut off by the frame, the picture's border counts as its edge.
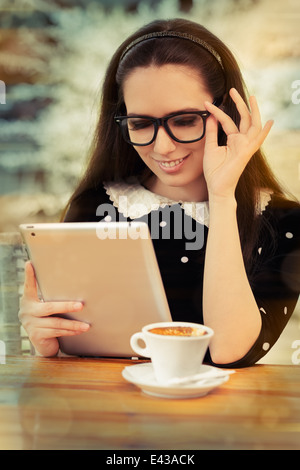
(185, 120)
(136, 124)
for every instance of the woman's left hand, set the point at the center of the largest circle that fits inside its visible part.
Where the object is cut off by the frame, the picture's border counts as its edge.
(223, 165)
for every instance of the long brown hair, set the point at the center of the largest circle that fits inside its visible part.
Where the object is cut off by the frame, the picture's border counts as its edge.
(113, 159)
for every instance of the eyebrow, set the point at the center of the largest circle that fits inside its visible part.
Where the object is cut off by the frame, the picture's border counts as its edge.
(184, 110)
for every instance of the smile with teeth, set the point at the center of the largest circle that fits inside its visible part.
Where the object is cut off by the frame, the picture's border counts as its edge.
(172, 163)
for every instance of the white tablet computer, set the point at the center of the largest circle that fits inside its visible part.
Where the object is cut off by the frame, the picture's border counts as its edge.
(110, 267)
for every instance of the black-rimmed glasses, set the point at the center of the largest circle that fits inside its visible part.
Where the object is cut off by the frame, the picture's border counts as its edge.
(184, 127)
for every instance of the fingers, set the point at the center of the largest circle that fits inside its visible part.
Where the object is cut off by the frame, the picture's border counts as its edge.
(44, 331)
(41, 320)
(32, 309)
(255, 113)
(44, 336)
(33, 316)
(30, 285)
(227, 123)
(264, 132)
(211, 132)
(243, 110)
(256, 121)
(46, 309)
(248, 119)
(37, 308)
(250, 122)
(256, 133)
(51, 327)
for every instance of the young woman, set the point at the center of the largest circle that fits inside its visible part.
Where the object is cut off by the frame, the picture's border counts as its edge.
(176, 136)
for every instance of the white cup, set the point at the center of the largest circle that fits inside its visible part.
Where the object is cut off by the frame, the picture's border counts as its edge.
(172, 356)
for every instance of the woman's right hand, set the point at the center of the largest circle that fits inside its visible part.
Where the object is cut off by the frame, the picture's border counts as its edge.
(39, 320)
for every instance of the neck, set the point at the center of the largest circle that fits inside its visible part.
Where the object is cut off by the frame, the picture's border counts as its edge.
(193, 192)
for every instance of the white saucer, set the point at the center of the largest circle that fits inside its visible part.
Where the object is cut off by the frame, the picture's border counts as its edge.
(142, 375)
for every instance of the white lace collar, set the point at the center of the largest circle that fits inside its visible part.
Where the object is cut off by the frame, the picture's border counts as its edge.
(135, 201)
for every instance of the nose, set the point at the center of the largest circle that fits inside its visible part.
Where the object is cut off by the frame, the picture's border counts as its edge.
(163, 143)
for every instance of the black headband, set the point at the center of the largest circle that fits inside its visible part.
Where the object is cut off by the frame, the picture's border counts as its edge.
(173, 34)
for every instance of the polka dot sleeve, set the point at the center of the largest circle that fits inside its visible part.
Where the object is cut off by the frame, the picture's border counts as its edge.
(275, 281)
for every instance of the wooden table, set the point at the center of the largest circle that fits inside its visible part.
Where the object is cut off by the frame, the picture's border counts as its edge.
(79, 403)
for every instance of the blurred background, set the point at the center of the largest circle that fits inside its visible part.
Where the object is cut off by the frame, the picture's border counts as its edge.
(53, 55)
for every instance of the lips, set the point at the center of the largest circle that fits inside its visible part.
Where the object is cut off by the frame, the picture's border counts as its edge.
(173, 165)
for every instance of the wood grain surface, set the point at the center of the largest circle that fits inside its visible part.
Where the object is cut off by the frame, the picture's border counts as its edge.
(79, 403)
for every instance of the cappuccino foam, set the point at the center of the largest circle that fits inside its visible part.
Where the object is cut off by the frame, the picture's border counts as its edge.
(178, 331)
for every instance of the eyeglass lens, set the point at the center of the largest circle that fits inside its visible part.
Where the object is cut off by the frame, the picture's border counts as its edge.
(184, 127)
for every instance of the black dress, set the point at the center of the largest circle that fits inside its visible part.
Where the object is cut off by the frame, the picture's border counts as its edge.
(179, 233)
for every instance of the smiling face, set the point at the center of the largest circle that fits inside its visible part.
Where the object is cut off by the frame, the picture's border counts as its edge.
(158, 91)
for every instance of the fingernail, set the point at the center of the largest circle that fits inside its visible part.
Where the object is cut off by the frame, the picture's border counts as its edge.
(84, 326)
(77, 305)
